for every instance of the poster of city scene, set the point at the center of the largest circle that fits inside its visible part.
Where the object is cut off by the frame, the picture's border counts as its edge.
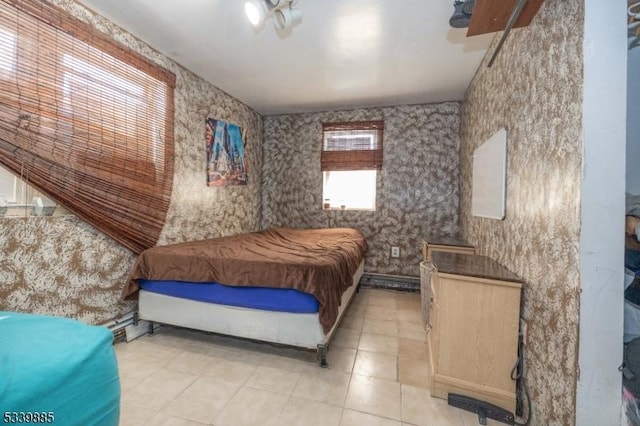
(225, 154)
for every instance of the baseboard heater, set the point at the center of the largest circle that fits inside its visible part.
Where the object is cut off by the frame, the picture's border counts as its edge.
(128, 327)
(484, 410)
(395, 282)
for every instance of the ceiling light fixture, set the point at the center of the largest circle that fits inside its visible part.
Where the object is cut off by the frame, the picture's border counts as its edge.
(285, 16)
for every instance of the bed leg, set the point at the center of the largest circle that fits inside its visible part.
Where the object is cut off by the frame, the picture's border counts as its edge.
(150, 327)
(322, 356)
(136, 318)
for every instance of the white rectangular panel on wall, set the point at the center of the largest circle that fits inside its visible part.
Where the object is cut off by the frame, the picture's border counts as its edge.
(489, 177)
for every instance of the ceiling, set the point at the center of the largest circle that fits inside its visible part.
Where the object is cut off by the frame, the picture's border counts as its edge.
(344, 53)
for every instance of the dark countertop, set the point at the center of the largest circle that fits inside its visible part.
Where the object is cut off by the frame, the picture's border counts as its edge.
(472, 265)
(444, 240)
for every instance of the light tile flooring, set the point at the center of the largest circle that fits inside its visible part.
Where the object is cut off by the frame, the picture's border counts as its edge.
(377, 375)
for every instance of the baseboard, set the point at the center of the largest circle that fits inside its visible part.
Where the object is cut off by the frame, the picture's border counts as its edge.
(393, 282)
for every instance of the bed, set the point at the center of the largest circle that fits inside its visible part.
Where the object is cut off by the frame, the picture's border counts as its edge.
(280, 285)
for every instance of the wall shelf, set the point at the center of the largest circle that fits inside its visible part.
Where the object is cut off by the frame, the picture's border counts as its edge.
(492, 15)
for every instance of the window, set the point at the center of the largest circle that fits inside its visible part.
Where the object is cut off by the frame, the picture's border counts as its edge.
(18, 198)
(7, 52)
(88, 120)
(12, 188)
(351, 156)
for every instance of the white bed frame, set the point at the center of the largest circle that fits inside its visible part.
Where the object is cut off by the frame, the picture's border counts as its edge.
(294, 329)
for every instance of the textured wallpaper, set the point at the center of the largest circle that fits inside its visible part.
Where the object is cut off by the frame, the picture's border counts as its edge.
(417, 189)
(62, 266)
(59, 265)
(535, 89)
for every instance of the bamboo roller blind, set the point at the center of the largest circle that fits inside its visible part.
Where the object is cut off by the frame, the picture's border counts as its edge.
(352, 146)
(87, 121)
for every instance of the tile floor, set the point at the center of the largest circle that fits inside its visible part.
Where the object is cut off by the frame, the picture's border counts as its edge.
(377, 375)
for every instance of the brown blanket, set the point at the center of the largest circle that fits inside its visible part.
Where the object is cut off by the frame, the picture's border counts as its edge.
(316, 261)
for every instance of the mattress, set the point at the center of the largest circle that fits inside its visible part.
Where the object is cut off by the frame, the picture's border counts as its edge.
(320, 262)
(263, 298)
(295, 329)
(57, 371)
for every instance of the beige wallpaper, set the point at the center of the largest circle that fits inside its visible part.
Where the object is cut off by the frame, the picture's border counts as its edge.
(535, 89)
(417, 189)
(62, 266)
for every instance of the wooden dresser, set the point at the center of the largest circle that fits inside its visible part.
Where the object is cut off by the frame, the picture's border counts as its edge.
(473, 341)
(431, 244)
(448, 244)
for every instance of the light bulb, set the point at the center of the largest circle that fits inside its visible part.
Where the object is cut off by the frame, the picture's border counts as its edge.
(255, 12)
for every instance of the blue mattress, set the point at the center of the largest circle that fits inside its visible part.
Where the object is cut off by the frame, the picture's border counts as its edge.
(57, 371)
(263, 298)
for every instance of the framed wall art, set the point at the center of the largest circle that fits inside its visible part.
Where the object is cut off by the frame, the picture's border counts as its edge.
(226, 163)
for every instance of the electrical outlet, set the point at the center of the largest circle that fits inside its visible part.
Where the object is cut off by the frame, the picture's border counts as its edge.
(395, 251)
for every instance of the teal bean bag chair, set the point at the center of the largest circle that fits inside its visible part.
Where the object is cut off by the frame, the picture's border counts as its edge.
(56, 371)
